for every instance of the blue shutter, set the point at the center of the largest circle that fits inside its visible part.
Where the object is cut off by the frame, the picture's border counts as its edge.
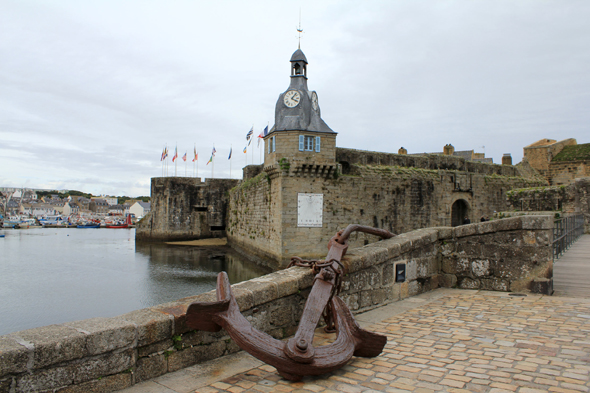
(269, 141)
(301, 138)
(274, 148)
(317, 144)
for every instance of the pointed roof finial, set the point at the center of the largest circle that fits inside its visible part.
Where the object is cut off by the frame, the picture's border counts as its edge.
(299, 29)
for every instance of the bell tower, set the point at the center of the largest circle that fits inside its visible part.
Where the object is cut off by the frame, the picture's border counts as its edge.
(300, 140)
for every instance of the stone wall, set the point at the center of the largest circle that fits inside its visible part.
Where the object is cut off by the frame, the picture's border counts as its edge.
(540, 153)
(348, 157)
(184, 208)
(565, 172)
(573, 198)
(263, 211)
(107, 354)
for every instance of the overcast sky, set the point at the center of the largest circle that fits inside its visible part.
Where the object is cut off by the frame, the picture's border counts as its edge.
(92, 91)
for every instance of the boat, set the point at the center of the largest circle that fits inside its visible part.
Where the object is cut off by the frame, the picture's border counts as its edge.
(120, 224)
(89, 225)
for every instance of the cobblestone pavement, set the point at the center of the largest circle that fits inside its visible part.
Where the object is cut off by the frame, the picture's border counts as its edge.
(461, 341)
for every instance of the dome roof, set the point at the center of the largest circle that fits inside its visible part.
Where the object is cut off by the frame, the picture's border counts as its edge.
(298, 56)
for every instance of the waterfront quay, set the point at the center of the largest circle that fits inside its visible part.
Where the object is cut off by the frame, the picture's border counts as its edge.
(446, 340)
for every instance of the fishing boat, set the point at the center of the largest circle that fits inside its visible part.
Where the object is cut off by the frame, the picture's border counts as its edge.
(120, 224)
(88, 225)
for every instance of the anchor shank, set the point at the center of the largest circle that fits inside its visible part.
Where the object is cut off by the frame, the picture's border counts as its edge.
(300, 348)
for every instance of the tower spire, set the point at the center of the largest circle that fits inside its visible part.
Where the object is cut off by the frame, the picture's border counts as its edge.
(299, 30)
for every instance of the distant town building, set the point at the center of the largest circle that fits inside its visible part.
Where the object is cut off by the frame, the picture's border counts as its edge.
(140, 208)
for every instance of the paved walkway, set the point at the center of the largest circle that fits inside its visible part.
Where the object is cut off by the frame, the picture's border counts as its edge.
(447, 340)
(571, 272)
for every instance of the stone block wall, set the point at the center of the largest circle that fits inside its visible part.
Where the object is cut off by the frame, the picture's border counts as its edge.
(573, 198)
(565, 172)
(500, 255)
(424, 161)
(263, 214)
(540, 154)
(287, 146)
(107, 354)
(184, 208)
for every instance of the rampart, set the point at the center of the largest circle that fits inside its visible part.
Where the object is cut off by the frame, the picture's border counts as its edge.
(573, 198)
(184, 208)
(107, 354)
(423, 161)
(263, 210)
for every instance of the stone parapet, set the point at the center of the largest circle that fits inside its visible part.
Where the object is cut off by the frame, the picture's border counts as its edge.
(107, 354)
(423, 161)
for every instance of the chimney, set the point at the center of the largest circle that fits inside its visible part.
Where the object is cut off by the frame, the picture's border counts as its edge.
(506, 159)
(402, 151)
(448, 150)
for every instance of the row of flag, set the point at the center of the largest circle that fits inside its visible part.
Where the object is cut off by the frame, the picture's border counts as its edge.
(249, 138)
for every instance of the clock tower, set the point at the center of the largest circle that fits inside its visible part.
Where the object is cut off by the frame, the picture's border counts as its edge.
(300, 142)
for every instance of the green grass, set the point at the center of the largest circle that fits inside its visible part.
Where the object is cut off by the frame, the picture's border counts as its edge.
(574, 153)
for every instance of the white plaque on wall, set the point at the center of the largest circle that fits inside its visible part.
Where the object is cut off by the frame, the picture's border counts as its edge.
(310, 209)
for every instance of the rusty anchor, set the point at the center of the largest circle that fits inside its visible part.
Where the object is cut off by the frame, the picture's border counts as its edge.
(298, 357)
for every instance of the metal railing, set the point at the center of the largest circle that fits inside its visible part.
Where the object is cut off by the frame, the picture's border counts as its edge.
(566, 231)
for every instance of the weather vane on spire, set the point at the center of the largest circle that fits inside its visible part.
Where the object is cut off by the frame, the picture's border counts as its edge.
(299, 29)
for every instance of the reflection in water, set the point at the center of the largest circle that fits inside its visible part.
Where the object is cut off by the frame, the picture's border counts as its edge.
(50, 276)
(180, 271)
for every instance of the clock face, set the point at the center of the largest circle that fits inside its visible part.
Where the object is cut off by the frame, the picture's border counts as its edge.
(292, 98)
(314, 101)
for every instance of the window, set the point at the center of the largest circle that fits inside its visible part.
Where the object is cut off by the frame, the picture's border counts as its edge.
(306, 143)
(271, 145)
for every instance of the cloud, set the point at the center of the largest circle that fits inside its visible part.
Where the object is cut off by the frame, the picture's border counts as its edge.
(90, 93)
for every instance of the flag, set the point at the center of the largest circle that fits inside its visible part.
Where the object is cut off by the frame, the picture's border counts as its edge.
(175, 154)
(184, 157)
(250, 142)
(265, 130)
(210, 160)
(196, 155)
(245, 148)
(260, 137)
(229, 158)
(249, 134)
(213, 152)
(163, 154)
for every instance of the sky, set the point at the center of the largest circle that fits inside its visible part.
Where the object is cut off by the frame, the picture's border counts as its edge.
(92, 92)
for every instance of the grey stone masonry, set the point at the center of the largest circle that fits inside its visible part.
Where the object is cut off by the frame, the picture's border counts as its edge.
(107, 354)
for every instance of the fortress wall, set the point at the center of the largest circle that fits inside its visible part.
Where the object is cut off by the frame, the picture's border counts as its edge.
(392, 198)
(573, 198)
(425, 161)
(565, 172)
(107, 354)
(184, 208)
(540, 156)
(254, 218)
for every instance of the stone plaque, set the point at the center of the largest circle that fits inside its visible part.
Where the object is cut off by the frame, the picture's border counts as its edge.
(310, 209)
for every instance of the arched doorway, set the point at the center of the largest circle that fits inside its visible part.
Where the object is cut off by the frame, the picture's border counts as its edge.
(459, 210)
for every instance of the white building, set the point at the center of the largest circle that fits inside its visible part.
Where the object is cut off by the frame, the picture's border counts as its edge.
(140, 209)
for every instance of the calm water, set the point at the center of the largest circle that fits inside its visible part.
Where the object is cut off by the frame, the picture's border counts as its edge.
(52, 276)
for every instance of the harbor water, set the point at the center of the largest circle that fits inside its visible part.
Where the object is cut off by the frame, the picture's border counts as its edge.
(50, 276)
